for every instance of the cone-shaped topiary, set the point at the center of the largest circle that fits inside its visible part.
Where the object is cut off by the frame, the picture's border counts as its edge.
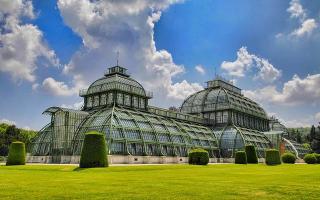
(288, 158)
(94, 151)
(198, 157)
(240, 158)
(17, 154)
(251, 154)
(273, 157)
(310, 158)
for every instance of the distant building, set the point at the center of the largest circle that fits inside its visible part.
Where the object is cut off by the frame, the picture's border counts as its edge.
(219, 119)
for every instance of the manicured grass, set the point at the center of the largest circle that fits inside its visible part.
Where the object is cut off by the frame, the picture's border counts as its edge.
(228, 181)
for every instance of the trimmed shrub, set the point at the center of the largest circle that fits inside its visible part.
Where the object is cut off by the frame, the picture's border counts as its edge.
(310, 159)
(198, 157)
(17, 154)
(251, 154)
(273, 157)
(288, 158)
(2, 158)
(94, 151)
(317, 157)
(240, 158)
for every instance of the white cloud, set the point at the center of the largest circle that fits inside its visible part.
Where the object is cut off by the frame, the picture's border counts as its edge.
(246, 61)
(200, 69)
(126, 26)
(295, 91)
(6, 121)
(76, 106)
(35, 86)
(57, 88)
(317, 117)
(21, 44)
(183, 89)
(306, 28)
(296, 10)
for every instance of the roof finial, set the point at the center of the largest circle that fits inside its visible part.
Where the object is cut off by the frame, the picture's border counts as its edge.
(118, 57)
(215, 71)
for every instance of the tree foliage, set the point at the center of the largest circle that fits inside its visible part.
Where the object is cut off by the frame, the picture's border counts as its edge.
(10, 133)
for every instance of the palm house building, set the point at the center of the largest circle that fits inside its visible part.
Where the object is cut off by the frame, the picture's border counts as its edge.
(219, 119)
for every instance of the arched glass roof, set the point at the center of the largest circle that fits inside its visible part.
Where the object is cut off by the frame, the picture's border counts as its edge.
(211, 99)
(41, 144)
(116, 82)
(235, 138)
(295, 148)
(131, 132)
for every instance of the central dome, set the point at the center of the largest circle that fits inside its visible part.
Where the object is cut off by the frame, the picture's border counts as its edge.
(116, 79)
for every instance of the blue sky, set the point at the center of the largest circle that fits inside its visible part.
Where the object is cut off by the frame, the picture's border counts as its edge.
(51, 49)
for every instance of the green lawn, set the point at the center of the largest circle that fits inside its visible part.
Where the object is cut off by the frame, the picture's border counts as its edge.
(228, 181)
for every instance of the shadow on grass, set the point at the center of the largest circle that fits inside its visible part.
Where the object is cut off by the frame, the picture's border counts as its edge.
(77, 169)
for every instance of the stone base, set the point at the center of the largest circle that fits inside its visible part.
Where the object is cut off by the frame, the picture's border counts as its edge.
(114, 159)
(120, 159)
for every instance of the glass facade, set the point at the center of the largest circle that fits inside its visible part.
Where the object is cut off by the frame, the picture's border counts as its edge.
(131, 132)
(219, 119)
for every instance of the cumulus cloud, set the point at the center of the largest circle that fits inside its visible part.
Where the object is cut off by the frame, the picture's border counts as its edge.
(295, 91)
(125, 26)
(246, 61)
(58, 88)
(6, 121)
(75, 106)
(21, 44)
(296, 10)
(306, 28)
(184, 89)
(200, 69)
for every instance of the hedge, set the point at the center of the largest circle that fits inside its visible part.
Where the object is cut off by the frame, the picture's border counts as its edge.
(310, 159)
(17, 154)
(288, 158)
(251, 154)
(198, 157)
(317, 157)
(94, 151)
(240, 158)
(273, 157)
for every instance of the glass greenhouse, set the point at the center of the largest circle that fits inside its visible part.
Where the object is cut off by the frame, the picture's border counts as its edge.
(219, 119)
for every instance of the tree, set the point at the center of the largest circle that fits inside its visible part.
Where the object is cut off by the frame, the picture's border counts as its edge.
(315, 142)
(312, 133)
(299, 138)
(10, 133)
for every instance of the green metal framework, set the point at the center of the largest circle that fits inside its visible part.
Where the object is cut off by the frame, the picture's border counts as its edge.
(219, 119)
(130, 132)
(235, 138)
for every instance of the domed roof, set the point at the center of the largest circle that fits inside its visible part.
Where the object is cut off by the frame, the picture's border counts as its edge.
(221, 95)
(115, 79)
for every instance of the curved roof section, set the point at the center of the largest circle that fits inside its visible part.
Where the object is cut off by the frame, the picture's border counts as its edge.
(219, 98)
(116, 79)
(41, 144)
(143, 133)
(233, 138)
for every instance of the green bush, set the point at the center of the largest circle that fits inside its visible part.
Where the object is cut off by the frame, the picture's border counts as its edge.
(288, 158)
(17, 154)
(2, 158)
(94, 151)
(240, 158)
(198, 157)
(251, 154)
(310, 159)
(273, 157)
(317, 157)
